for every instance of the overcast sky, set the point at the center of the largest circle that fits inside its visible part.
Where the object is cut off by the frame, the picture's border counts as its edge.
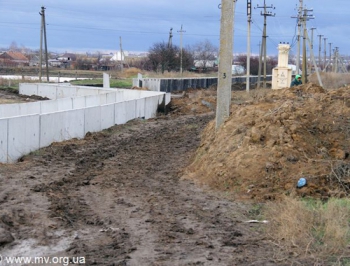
(90, 25)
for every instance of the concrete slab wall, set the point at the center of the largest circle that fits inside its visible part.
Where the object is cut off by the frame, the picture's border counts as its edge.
(107, 116)
(23, 135)
(92, 119)
(61, 126)
(3, 139)
(67, 118)
(182, 84)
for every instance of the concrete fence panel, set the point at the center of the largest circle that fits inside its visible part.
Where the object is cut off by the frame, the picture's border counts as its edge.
(61, 126)
(85, 91)
(151, 105)
(92, 119)
(65, 104)
(111, 97)
(92, 100)
(48, 91)
(18, 109)
(8, 110)
(3, 140)
(78, 102)
(49, 107)
(107, 116)
(140, 108)
(121, 111)
(66, 92)
(28, 89)
(23, 136)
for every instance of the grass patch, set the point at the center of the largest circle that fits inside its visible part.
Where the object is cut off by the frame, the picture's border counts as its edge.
(114, 83)
(311, 227)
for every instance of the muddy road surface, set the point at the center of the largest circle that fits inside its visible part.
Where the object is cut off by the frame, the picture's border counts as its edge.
(116, 198)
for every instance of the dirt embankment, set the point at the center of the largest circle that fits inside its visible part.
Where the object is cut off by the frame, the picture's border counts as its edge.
(275, 138)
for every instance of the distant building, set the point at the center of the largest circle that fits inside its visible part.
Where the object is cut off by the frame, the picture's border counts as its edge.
(238, 70)
(205, 63)
(11, 58)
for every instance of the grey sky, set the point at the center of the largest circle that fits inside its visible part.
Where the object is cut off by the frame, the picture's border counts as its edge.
(80, 25)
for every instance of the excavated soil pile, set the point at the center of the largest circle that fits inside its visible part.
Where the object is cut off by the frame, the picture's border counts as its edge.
(276, 138)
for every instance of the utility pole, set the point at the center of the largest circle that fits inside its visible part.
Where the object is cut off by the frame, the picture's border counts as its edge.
(312, 43)
(312, 38)
(266, 14)
(330, 55)
(225, 63)
(170, 41)
(304, 19)
(181, 31)
(314, 61)
(43, 32)
(325, 54)
(249, 14)
(336, 59)
(304, 68)
(319, 50)
(300, 9)
(121, 54)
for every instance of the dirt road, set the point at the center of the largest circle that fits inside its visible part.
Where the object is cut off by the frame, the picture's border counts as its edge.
(116, 198)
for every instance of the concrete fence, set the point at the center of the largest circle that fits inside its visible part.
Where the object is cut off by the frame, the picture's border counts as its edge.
(182, 84)
(74, 111)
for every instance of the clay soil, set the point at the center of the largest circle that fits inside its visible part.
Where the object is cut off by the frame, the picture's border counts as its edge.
(135, 194)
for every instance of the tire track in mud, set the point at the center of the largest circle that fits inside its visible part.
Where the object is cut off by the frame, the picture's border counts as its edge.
(119, 193)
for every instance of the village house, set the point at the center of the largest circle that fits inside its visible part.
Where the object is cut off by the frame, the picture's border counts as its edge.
(13, 59)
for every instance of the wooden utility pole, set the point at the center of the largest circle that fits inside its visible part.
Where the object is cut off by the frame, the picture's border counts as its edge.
(249, 14)
(181, 31)
(225, 62)
(43, 33)
(263, 47)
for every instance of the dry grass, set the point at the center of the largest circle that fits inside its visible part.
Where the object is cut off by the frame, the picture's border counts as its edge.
(310, 227)
(332, 80)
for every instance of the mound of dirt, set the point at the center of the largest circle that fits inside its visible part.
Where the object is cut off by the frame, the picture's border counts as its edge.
(277, 137)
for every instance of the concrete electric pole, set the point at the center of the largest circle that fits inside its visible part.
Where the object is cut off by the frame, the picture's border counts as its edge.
(43, 33)
(325, 54)
(312, 44)
(181, 31)
(121, 54)
(319, 50)
(266, 14)
(300, 9)
(304, 19)
(225, 62)
(170, 41)
(330, 55)
(249, 14)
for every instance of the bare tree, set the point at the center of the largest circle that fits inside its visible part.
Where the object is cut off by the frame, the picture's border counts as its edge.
(14, 47)
(163, 57)
(254, 63)
(204, 52)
